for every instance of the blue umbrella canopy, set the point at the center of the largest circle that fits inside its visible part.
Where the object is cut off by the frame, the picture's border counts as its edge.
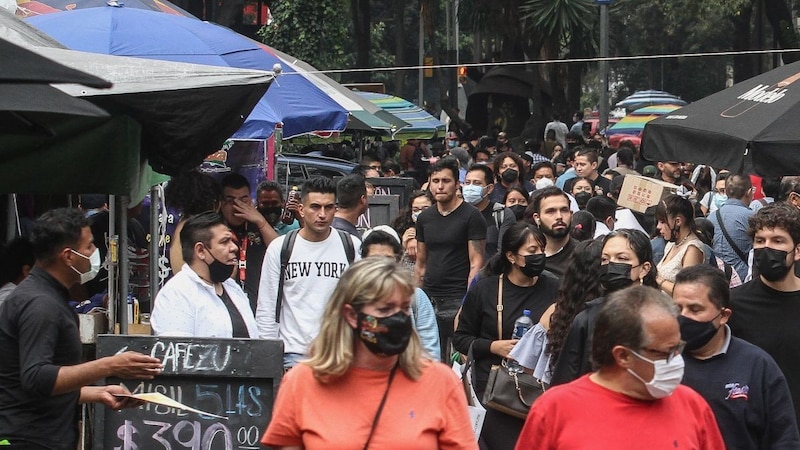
(421, 124)
(293, 100)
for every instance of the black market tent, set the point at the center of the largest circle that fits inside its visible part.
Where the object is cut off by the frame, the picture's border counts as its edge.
(749, 127)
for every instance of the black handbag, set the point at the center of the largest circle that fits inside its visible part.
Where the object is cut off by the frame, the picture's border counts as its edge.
(509, 392)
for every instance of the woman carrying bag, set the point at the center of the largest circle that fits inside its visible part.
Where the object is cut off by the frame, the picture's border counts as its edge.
(519, 269)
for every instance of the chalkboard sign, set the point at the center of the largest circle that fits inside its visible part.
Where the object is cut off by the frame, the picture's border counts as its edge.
(382, 209)
(235, 378)
(394, 186)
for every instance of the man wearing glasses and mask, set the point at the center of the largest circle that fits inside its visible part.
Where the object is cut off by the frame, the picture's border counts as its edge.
(634, 399)
(742, 383)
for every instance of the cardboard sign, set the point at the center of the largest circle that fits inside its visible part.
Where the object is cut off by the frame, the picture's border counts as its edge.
(639, 193)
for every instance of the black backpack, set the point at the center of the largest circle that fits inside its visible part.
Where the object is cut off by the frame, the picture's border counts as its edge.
(286, 253)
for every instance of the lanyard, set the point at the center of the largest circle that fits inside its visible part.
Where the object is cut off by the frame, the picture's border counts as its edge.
(243, 257)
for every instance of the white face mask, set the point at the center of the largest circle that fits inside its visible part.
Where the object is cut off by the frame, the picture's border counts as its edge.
(666, 378)
(94, 269)
(472, 193)
(414, 216)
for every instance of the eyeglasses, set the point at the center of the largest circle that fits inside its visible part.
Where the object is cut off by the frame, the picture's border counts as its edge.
(416, 210)
(669, 354)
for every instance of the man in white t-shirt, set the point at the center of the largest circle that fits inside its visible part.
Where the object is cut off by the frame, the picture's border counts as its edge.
(317, 258)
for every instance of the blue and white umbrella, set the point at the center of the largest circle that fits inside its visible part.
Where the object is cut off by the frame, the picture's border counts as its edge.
(640, 99)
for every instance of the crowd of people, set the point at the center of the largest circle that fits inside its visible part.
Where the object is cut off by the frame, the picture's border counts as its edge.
(677, 322)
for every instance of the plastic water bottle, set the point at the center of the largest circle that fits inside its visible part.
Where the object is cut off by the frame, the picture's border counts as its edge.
(521, 326)
(293, 195)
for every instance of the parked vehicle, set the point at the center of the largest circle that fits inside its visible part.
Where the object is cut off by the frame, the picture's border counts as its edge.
(293, 169)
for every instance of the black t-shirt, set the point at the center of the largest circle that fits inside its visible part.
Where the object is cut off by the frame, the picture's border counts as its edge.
(38, 335)
(447, 239)
(477, 324)
(254, 258)
(770, 319)
(559, 262)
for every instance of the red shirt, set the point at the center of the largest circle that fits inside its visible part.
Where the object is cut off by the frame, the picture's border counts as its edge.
(585, 415)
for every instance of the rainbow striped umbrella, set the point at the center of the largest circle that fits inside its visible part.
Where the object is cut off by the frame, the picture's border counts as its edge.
(633, 123)
(421, 124)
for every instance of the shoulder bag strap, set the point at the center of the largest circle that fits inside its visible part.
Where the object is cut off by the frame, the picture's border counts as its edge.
(733, 245)
(500, 307)
(286, 253)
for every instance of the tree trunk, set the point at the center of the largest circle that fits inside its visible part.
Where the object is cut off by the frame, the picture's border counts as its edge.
(398, 11)
(360, 12)
(742, 64)
(780, 19)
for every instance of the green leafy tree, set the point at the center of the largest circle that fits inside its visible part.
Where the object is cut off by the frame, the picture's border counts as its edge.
(316, 31)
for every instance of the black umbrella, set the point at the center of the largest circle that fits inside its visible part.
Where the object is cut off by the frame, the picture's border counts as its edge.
(750, 127)
(24, 66)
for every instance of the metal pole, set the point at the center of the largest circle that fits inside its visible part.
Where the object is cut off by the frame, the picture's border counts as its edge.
(155, 202)
(113, 249)
(455, 30)
(124, 266)
(11, 222)
(604, 66)
(420, 102)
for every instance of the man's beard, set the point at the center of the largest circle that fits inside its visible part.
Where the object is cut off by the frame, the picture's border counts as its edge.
(558, 234)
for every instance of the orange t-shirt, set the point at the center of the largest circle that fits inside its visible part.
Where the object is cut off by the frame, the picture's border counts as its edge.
(429, 413)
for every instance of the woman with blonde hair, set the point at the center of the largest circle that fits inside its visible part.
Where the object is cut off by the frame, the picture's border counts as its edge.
(367, 383)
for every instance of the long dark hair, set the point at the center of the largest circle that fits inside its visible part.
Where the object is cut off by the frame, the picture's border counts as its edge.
(514, 239)
(403, 220)
(579, 285)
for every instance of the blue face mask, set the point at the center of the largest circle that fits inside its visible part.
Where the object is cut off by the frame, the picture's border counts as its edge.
(472, 193)
(720, 199)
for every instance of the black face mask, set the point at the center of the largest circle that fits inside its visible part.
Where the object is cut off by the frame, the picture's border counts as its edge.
(272, 214)
(534, 265)
(510, 175)
(518, 210)
(771, 263)
(695, 333)
(385, 336)
(615, 276)
(218, 271)
(582, 198)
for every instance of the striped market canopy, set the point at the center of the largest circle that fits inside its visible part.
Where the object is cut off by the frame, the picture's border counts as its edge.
(421, 124)
(633, 123)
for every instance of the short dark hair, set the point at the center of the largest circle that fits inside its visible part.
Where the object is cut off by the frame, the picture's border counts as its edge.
(625, 156)
(56, 229)
(719, 292)
(776, 215)
(235, 181)
(380, 237)
(447, 163)
(198, 229)
(17, 253)
(789, 184)
(541, 194)
(771, 186)
(738, 186)
(319, 185)
(589, 153)
(193, 192)
(488, 174)
(579, 115)
(519, 191)
(349, 191)
(601, 207)
(620, 321)
(480, 150)
(543, 165)
(391, 165)
(93, 201)
(270, 186)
